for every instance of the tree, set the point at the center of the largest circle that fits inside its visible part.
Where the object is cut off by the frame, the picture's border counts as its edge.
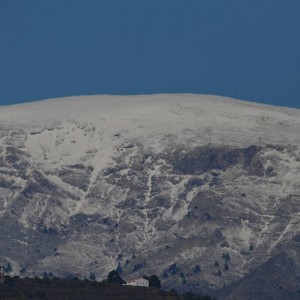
(197, 269)
(8, 268)
(154, 281)
(92, 276)
(114, 277)
(226, 267)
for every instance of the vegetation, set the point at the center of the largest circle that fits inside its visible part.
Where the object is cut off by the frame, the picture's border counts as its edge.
(154, 281)
(114, 277)
(63, 289)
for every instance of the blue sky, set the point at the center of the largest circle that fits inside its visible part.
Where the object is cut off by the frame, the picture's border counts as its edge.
(246, 49)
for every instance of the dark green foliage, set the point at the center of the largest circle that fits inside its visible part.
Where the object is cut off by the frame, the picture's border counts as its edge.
(207, 217)
(62, 289)
(39, 294)
(191, 296)
(8, 268)
(119, 268)
(114, 277)
(154, 281)
(9, 281)
(226, 257)
(173, 269)
(173, 292)
(70, 276)
(197, 269)
(28, 294)
(48, 275)
(92, 276)
(226, 267)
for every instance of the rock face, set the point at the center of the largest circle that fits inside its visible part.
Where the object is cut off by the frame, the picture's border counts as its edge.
(263, 283)
(203, 191)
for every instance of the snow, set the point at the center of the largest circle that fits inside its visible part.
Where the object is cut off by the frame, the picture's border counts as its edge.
(101, 131)
(89, 129)
(85, 126)
(143, 116)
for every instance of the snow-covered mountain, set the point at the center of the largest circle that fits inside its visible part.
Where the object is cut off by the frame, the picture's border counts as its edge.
(203, 191)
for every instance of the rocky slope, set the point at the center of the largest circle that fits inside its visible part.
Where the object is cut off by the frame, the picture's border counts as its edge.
(203, 191)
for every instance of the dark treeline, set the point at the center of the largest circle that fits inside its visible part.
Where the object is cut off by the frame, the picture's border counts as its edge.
(16, 288)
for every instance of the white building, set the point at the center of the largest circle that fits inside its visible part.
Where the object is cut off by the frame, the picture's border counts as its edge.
(139, 282)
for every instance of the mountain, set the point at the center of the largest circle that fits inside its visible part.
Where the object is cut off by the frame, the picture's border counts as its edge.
(201, 190)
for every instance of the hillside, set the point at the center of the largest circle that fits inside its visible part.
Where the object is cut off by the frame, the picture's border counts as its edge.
(200, 190)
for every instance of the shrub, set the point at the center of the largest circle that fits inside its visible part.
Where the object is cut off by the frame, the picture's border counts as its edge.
(114, 277)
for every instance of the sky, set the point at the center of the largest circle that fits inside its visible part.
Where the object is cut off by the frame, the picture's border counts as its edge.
(245, 49)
